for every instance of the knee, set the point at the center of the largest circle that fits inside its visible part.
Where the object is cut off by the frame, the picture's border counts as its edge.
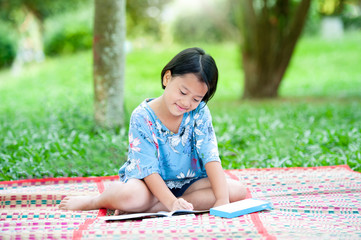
(132, 196)
(237, 191)
(127, 197)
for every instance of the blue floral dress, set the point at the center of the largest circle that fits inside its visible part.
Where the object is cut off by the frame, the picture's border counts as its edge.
(179, 157)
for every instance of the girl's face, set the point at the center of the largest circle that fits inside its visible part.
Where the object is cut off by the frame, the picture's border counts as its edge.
(183, 93)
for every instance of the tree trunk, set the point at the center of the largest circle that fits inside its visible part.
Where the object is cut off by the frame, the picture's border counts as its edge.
(269, 32)
(30, 44)
(109, 62)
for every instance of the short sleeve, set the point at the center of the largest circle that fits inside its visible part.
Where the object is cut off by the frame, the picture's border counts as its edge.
(143, 149)
(205, 138)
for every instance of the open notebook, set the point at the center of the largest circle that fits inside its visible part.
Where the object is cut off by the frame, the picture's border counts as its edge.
(150, 215)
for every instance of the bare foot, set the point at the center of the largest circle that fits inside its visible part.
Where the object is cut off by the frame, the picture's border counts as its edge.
(78, 203)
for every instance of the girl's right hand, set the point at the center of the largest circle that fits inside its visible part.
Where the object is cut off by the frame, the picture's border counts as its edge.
(181, 204)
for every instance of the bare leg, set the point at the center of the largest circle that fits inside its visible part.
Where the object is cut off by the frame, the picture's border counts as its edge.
(132, 196)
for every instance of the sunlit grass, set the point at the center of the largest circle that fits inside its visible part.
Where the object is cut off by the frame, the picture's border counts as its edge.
(279, 134)
(47, 127)
(325, 68)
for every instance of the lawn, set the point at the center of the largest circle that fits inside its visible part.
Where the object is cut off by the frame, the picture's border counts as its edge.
(47, 127)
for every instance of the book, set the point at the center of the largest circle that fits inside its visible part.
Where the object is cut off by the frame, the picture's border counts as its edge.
(134, 216)
(240, 208)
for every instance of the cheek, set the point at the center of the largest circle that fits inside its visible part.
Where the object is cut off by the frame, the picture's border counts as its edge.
(194, 105)
(170, 94)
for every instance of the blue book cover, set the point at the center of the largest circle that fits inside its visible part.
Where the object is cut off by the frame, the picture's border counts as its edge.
(239, 208)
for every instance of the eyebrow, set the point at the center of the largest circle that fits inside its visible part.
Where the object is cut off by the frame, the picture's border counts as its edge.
(189, 91)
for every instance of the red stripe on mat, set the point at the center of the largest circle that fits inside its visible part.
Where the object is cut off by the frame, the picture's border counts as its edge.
(260, 228)
(78, 233)
(231, 175)
(254, 216)
(75, 179)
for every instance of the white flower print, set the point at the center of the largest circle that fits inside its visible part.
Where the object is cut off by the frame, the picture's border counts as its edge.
(182, 138)
(132, 164)
(214, 152)
(199, 143)
(133, 143)
(189, 174)
(173, 142)
(198, 132)
(185, 135)
(187, 120)
(156, 144)
(158, 126)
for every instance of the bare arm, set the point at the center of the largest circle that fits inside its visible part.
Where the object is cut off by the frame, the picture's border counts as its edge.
(218, 182)
(160, 190)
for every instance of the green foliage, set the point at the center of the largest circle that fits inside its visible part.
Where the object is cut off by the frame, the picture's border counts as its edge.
(69, 39)
(313, 21)
(69, 32)
(185, 31)
(10, 10)
(352, 22)
(68, 26)
(47, 127)
(330, 7)
(7, 46)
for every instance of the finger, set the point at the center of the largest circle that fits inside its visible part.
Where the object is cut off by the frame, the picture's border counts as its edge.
(186, 205)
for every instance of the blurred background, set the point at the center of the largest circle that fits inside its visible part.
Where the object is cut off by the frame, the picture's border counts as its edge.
(289, 91)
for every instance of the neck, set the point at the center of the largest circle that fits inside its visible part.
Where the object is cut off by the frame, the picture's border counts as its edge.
(160, 109)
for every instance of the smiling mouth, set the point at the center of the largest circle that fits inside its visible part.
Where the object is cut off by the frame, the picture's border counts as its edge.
(180, 108)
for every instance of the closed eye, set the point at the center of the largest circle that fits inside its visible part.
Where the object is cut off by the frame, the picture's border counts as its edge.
(182, 92)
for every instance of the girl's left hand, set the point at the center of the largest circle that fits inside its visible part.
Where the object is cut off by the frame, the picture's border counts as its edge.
(181, 204)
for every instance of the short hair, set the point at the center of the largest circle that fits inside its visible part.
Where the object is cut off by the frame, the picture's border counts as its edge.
(196, 61)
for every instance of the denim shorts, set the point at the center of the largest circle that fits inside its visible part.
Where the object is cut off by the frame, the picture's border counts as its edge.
(178, 192)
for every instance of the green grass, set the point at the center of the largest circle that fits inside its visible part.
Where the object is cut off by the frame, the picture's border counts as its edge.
(47, 127)
(279, 134)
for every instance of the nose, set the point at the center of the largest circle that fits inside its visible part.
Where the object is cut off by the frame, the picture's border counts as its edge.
(186, 103)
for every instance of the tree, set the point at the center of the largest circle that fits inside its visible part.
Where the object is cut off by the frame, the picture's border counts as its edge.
(269, 33)
(109, 62)
(27, 17)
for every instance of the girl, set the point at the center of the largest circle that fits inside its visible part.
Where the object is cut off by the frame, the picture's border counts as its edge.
(173, 161)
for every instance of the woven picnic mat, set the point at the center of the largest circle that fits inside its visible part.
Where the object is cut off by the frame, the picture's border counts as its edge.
(309, 203)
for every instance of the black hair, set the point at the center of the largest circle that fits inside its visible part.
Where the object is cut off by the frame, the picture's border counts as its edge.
(196, 61)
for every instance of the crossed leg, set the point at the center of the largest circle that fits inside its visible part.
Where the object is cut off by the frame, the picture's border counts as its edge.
(134, 196)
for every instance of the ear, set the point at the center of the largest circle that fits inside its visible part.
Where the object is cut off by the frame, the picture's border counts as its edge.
(167, 77)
